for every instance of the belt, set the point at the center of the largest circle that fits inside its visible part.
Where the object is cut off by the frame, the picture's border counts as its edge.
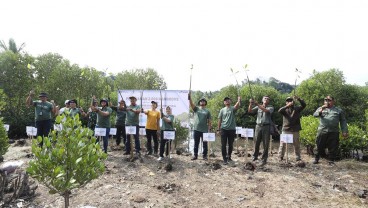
(263, 124)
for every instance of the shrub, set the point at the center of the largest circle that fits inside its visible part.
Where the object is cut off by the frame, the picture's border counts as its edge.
(309, 130)
(181, 133)
(4, 140)
(68, 159)
(357, 140)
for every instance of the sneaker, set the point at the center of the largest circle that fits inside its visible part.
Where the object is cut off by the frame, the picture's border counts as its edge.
(126, 153)
(298, 159)
(194, 158)
(315, 162)
(229, 159)
(225, 162)
(263, 163)
(281, 159)
(160, 159)
(331, 163)
(205, 158)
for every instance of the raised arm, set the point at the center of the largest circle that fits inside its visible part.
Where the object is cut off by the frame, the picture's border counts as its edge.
(192, 105)
(237, 104)
(29, 98)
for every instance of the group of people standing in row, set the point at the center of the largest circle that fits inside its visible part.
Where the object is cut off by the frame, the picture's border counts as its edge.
(327, 135)
(99, 117)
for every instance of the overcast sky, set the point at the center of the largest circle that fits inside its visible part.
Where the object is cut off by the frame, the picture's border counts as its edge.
(272, 36)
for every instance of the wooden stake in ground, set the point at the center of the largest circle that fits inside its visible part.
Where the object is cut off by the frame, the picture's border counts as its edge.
(270, 144)
(209, 150)
(190, 89)
(287, 153)
(170, 151)
(246, 150)
(131, 147)
(286, 138)
(209, 137)
(201, 145)
(237, 146)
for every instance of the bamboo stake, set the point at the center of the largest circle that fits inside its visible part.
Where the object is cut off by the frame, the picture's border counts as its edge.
(287, 153)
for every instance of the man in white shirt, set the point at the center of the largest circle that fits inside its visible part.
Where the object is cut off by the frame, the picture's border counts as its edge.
(62, 110)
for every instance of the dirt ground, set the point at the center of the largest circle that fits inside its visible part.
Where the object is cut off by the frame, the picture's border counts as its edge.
(200, 183)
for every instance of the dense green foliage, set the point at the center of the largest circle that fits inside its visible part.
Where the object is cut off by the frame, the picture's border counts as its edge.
(181, 133)
(68, 159)
(309, 130)
(357, 139)
(4, 141)
(53, 74)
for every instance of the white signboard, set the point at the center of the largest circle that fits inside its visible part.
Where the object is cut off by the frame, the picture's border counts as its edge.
(142, 131)
(176, 99)
(238, 129)
(170, 135)
(58, 127)
(131, 130)
(6, 126)
(286, 138)
(112, 131)
(100, 131)
(142, 119)
(247, 132)
(210, 137)
(31, 131)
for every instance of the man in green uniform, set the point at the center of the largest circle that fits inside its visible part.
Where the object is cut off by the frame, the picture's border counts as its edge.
(43, 110)
(262, 132)
(132, 119)
(330, 117)
(103, 119)
(120, 122)
(227, 127)
(202, 124)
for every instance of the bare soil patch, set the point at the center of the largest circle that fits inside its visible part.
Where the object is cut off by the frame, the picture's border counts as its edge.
(200, 183)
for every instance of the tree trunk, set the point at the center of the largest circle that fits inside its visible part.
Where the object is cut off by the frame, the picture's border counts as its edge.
(66, 198)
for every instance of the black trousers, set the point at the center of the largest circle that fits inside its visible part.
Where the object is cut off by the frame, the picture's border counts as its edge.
(136, 141)
(152, 134)
(164, 142)
(197, 139)
(120, 132)
(329, 140)
(43, 129)
(227, 138)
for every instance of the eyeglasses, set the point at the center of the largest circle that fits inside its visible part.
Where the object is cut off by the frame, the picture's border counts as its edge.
(328, 100)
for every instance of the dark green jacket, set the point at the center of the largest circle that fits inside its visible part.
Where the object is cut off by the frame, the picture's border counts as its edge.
(330, 118)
